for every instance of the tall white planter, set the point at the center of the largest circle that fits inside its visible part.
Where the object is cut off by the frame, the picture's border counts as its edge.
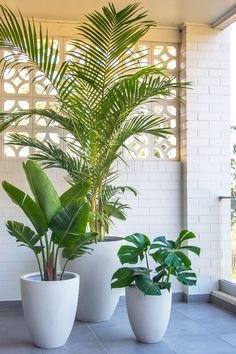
(49, 308)
(97, 301)
(148, 315)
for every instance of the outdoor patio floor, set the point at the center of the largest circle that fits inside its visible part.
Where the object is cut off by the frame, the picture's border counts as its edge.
(194, 328)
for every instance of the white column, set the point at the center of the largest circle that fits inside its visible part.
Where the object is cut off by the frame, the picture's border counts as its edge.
(205, 150)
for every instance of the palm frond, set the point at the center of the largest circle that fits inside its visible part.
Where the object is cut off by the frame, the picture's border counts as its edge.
(7, 119)
(31, 47)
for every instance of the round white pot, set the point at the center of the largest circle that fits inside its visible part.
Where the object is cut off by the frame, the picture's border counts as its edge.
(97, 301)
(148, 315)
(49, 308)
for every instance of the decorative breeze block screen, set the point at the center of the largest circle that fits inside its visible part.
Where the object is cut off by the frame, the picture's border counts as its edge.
(17, 92)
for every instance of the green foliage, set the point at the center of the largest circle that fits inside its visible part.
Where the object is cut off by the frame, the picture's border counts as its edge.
(42, 189)
(77, 191)
(24, 235)
(132, 254)
(171, 259)
(67, 222)
(97, 99)
(80, 247)
(29, 207)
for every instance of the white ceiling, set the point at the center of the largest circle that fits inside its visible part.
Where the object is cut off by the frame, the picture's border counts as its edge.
(165, 12)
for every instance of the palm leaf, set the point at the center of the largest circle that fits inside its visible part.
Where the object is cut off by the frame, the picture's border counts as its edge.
(32, 45)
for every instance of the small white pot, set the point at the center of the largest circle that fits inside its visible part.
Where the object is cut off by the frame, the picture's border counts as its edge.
(97, 301)
(49, 308)
(148, 315)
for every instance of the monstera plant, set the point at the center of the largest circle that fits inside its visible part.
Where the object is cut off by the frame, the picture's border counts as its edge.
(169, 257)
(148, 288)
(98, 91)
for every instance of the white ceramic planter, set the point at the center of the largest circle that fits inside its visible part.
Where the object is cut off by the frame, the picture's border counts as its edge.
(148, 315)
(49, 308)
(97, 301)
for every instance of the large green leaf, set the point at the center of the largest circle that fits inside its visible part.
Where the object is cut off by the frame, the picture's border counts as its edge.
(43, 189)
(77, 191)
(170, 253)
(80, 247)
(29, 207)
(193, 249)
(122, 277)
(24, 235)
(187, 278)
(70, 223)
(125, 276)
(139, 240)
(146, 285)
(184, 236)
(132, 254)
(161, 242)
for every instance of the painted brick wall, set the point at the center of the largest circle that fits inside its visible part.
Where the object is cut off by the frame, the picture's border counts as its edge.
(205, 149)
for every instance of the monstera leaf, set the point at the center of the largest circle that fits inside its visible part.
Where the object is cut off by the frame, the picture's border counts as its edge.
(171, 253)
(125, 276)
(145, 284)
(132, 254)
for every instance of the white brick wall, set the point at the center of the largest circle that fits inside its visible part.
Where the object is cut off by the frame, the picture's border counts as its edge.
(156, 211)
(205, 150)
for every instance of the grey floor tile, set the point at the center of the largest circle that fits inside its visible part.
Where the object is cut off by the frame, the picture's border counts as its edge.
(219, 325)
(14, 335)
(18, 347)
(184, 328)
(75, 349)
(120, 339)
(81, 341)
(201, 311)
(208, 344)
(230, 338)
(193, 329)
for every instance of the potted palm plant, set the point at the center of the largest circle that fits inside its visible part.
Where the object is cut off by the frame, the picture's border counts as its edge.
(98, 92)
(50, 296)
(148, 291)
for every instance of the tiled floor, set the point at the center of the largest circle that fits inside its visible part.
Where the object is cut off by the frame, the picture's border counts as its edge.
(193, 329)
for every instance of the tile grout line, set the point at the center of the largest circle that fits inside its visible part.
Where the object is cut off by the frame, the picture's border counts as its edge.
(96, 337)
